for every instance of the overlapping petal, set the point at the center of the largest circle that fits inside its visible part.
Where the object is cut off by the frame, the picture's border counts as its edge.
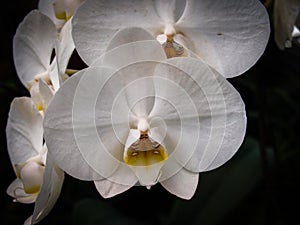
(96, 22)
(33, 45)
(228, 35)
(109, 189)
(24, 130)
(183, 184)
(220, 111)
(64, 49)
(50, 191)
(59, 134)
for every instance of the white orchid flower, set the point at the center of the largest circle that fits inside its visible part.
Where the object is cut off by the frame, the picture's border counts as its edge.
(26, 150)
(38, 179)
(286, 16)
(33, 45)
(59, 11)
(229, 35)
(135, 117)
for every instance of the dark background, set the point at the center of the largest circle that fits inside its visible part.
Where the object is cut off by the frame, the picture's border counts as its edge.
(260, 185)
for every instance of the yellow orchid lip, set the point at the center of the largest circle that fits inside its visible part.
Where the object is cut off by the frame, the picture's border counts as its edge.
(145, 152)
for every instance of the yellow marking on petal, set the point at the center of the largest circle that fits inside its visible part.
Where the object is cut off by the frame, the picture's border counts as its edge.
(40, 107)
(145, 152)
(32, 190)
(61, 15)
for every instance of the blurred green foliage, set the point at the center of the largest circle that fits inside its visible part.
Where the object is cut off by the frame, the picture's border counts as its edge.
(260, 185)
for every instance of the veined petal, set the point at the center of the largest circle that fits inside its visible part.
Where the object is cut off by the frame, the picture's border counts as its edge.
(64, 49)
(96, 21)
(130, 53)
(24, 130)
(45, 92)
(50, 191)
(59, 134)
(32, 46)
(228, 35)
(54, 75)
(221, 114)
(183, 184)
(170, 11)
(128, 35)
(176, 107)
(108, 189)
(285, 16)
(135, 88)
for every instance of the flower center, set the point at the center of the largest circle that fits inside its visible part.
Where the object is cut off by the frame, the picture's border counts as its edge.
(144, 151)
(31, 174)
(171, 47)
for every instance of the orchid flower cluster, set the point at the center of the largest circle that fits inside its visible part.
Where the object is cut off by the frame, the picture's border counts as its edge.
(152, 106)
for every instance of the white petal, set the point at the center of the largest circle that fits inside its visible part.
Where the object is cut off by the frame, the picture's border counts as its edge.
(45, 92)
(170, 11)
(228, 35)
(59, 134)
(54, 75)
(32, 176)
(95, 23)
(24, 130)
(177, 99)
(148, 175)
(285, 15)
(128, 35)
(16, 190)
(183, 184)
(221, 114)
(108, 189)
(32, 46)
(70, 129)
(134, 85)
(50, 191)
(64, 48)
(129, 53)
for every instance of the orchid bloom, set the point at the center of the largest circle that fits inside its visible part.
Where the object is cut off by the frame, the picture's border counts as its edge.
(38, 180)
(26, 150)
(135, 117)
(286, 21)
(33, 44)
(59, 11)
(229, 35)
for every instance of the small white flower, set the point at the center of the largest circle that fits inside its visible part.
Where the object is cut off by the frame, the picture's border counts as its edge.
(33, 45)
(38, 179)
(286, 16)
(135, 117)
(25, 147)
(228, 35)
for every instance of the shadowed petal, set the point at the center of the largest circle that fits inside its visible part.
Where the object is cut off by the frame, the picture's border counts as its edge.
(33, 45)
